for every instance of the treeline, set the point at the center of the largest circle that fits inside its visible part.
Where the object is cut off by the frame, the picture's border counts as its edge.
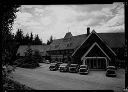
(27, 39)
(11, 43)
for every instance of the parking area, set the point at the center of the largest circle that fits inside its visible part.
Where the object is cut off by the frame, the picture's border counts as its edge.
(43, 79)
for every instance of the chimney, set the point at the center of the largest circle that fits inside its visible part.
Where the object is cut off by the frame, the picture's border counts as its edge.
(88, 31)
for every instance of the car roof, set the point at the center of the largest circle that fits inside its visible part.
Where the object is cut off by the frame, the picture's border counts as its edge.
(111, 67)
(74, 64)
(53, 63)
(110, 70)
(64, 64)
(83, 65)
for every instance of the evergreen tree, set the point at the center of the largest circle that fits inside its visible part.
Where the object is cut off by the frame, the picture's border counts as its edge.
(50, 40)
(27, 39)
(37, 41)
(31, 38)
(7, 19)
(19, 36)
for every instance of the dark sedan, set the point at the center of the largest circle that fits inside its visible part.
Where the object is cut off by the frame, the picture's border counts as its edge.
(53, 66)
(111, 71)
(83, 69)
(74, 68)
(64, 67)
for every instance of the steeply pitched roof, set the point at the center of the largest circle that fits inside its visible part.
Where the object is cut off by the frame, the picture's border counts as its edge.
(92, 40)
(69, 43)
(41, 48)
(112, 39)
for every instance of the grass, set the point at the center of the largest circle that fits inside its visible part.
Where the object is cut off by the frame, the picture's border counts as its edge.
(10, 84)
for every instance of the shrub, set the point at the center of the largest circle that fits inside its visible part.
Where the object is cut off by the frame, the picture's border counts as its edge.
(27, 62)
(30, 65)
(37, 56)
(30, 60)
(19, 62)
(14, 85)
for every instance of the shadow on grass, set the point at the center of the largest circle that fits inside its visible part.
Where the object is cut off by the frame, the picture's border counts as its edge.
(10, 84)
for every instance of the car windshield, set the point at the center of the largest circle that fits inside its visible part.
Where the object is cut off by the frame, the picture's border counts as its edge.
(53, 64)
(63, 65)
(73, 65)
(110, 67)
(111, 72)
(83, 66)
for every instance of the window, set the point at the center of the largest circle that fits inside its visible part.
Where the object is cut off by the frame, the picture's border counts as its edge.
(69, 44)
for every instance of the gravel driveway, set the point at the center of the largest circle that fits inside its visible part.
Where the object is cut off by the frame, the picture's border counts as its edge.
(43, 79)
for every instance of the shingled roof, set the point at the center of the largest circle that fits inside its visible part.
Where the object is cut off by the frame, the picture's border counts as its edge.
(114, 40)
(41, 48)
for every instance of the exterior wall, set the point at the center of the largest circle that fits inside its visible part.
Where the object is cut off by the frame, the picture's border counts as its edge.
(96, 62)
(60, 55)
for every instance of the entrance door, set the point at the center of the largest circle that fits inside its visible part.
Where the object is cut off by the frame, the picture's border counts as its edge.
(96, 63)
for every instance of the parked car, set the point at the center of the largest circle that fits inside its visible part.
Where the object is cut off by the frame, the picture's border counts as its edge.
(74, 68)
(111, 67)
(53, 66)
(64, 67)
(47, 62)
(59, 63)
(111, 71)
(83, 69)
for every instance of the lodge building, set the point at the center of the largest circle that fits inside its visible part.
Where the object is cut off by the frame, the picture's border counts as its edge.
(97, 50)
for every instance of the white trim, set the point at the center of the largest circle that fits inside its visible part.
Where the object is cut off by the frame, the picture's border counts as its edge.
(87, 38)
(96, 57)
(91, 48)
(82, 43)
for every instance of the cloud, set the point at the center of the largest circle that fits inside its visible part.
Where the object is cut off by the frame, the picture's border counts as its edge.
(47, 20)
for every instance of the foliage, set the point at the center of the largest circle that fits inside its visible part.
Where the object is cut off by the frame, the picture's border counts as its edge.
(19, 62)
(30, 60)
(27, 39)
(28, 52)
(37, 56)
(14, 85)
(37, 41)
(50, 40)
(8, 42)
(11, 42)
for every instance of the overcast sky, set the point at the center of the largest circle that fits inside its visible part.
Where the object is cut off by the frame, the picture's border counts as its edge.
(57, 20)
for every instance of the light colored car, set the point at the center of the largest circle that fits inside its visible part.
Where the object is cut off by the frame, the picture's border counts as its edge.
(83, 69)
(47, 62)
(64, 67)
(111, 71)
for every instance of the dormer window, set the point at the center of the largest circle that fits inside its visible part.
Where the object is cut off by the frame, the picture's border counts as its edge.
(68, 36)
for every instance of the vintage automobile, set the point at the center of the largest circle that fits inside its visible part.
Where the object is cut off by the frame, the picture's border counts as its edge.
(47, 62)
(64, 67)
(59, 63)
(53, 66)
(83, 69)
(74, 68)
(111, 71)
